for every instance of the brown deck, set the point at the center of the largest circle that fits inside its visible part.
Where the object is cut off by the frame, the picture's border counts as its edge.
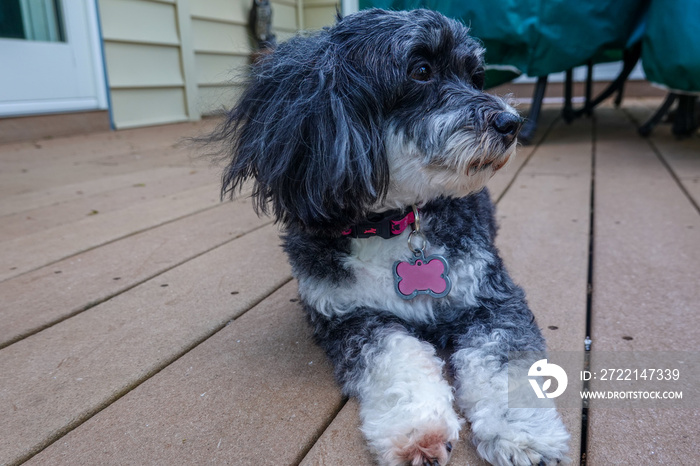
(144, 322)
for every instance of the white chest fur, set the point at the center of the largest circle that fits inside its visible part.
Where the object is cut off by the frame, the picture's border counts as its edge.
(371, 262)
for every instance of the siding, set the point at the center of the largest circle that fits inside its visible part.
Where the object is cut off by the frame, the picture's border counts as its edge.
(176, 60)
(143, 54)
(320, 13)
(222, 47)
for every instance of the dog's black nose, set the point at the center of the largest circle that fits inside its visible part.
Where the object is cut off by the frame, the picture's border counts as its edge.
(508, 125)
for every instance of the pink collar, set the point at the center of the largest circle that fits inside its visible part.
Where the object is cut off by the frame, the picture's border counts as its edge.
(385, 224)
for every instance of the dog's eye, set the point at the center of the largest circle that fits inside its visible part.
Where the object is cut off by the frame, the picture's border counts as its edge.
(478, 79)
(422, 73)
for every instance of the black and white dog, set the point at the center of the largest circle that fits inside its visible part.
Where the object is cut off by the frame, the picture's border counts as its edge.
(371, 142)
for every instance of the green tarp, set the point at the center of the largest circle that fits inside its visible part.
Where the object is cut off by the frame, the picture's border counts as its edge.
(538, 37)
(671, 47)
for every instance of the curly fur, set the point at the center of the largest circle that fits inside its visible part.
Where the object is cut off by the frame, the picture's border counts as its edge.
(385, 110)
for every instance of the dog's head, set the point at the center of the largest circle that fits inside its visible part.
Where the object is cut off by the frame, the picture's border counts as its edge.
(382, 110)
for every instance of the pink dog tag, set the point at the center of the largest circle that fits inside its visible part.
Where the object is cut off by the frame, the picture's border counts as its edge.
(422, 275)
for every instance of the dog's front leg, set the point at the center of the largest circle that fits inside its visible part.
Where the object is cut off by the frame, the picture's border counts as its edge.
(505, 436)
(405, 403)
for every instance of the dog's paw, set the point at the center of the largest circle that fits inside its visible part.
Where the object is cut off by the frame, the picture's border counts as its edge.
(431, 448)
(505, 452)
(424, 436)
(524, 437)
(406, 406)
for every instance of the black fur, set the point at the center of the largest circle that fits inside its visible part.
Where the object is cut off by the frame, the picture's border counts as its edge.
(310, 127)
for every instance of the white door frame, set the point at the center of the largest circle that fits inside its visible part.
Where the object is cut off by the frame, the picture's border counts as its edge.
(25, 81)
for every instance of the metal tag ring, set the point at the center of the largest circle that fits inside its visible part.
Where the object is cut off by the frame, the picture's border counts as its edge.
(421, 236)
(416, 218)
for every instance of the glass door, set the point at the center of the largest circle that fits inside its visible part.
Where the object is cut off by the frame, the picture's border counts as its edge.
(50, 57)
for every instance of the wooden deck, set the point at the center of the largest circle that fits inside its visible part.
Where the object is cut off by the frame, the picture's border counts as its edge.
(144, 322)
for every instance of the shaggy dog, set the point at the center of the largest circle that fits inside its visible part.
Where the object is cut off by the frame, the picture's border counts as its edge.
(371, 142)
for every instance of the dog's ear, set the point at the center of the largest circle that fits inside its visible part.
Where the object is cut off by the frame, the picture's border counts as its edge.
(308, 131)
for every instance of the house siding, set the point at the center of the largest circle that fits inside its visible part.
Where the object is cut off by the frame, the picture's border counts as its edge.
(143, 54)
(176, 60)
(319, 13)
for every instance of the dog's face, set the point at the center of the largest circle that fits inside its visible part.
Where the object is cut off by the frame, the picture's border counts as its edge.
(383, 110)
(444, 135)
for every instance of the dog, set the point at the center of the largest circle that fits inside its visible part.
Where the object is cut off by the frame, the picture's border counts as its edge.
(371, 142)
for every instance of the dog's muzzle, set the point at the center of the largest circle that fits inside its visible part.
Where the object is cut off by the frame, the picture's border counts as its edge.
(507, 125)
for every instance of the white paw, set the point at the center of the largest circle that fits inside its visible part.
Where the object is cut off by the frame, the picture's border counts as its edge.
(506, 436)
(522, 437)
(411, 423)
(426, 445)
(406, 405)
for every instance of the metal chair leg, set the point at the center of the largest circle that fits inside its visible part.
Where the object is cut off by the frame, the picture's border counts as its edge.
(684, 121)
(646, 128)
(620, 94)
(568, 111)
(588, 108)
(630, 59)
(528, 131)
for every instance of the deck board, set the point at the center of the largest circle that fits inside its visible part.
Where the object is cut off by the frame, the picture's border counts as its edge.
(241, 397)
(544, 238)
(342, 443)
(98, 145)
(681, 155)
(59, 377)
(646, 290)
(42, 174)
(140, 187)
(43, 196)
(85, 281)
(33, 250)
(102, 371)
(51, 164)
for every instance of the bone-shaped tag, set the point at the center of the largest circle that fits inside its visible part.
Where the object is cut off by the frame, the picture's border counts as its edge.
(422, 275)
